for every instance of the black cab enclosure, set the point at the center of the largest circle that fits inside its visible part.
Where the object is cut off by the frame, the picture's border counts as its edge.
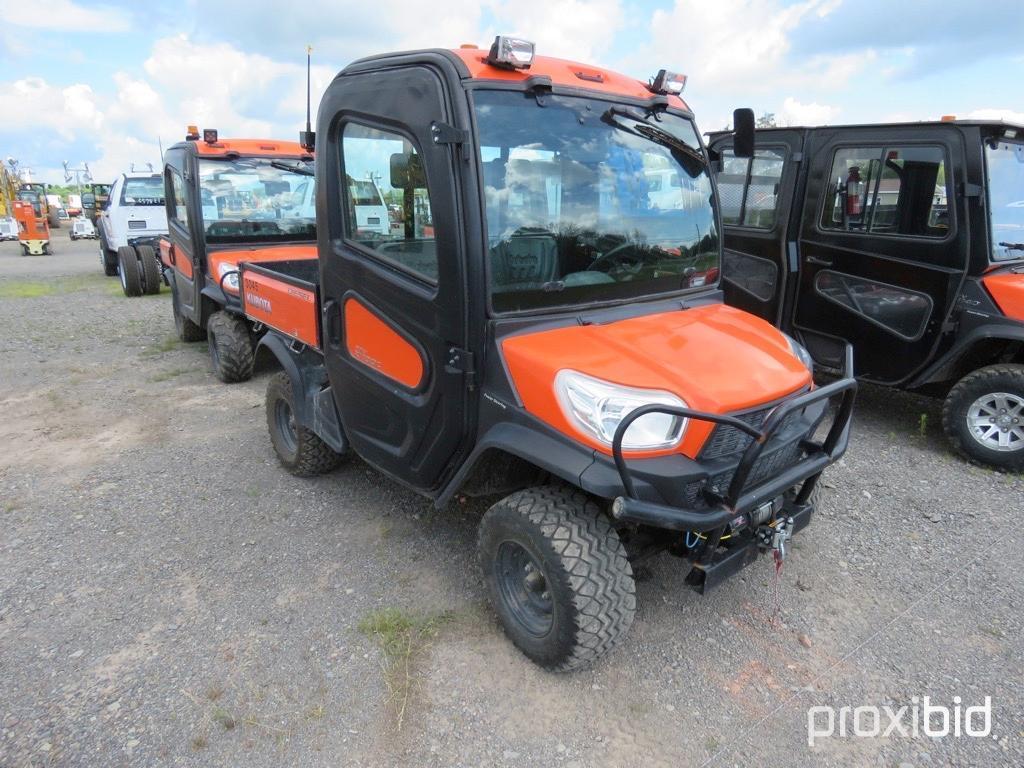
(905, 241)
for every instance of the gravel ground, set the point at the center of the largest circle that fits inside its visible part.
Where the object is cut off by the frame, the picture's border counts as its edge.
(170, 596)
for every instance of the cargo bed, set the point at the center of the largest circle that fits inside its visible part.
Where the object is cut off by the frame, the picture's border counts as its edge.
(284, 296)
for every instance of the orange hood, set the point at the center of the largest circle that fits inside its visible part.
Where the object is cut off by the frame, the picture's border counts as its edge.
(257, 255)
(1007, 289)
(714, 357)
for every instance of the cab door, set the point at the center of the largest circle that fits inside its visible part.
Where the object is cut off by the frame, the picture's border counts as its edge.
(883, 246)
(393, 291)
(756, 196)
(180, 217)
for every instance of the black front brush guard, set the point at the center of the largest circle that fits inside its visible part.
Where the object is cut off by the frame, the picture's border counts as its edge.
(738, 499)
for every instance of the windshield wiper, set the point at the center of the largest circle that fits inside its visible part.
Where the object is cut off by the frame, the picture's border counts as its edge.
(1012, 246)
(299, 169)
(658, 136)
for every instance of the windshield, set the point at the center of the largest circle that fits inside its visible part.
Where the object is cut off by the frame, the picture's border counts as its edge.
(257, 199)
(1005, 162)
(591, 202)
(145, 191)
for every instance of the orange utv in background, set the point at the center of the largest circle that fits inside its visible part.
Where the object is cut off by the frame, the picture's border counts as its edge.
(543, 325)
(33, 229)
(229, 201)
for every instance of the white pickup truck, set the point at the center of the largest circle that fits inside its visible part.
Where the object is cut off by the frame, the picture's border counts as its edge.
(129, 228)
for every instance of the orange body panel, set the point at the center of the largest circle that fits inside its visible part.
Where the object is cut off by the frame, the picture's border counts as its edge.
(256, 256)
(251, 147)
(377, 345)
(715, 358)
(30, 227)
(1007, 290)
(279, 305)
(561, 72)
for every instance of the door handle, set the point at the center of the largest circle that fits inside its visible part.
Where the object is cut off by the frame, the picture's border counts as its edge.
(819, 261)
(332, 323)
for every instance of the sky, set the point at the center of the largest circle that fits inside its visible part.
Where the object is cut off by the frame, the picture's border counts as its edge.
(104, 83)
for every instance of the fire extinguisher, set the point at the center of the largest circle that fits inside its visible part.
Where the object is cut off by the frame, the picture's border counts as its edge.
(854, 193)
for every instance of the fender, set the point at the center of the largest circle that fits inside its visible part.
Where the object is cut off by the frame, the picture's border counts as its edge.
(936, 372)
(313, 399)
(561, 457)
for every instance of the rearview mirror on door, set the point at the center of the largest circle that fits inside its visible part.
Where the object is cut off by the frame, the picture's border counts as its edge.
(407, 171)
(743, 132)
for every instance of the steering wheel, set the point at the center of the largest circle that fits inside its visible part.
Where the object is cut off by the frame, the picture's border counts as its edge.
(614, 262)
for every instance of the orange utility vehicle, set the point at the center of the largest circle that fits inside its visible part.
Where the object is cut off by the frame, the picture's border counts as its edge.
(556, 335)
(33, 229)
(228, 201)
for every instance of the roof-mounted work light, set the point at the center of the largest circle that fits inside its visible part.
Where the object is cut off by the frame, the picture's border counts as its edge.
(210, 135)
(192, 133)
(668, 83)
(510, 53)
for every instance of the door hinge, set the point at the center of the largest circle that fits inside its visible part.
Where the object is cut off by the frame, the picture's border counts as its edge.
(442, 133)
(461, 361)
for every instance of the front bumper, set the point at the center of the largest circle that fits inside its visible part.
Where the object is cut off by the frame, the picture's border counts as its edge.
(770, 466)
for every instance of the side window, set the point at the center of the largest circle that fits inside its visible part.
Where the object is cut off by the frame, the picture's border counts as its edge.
(748, 188)
(178, 210)
(888, 191)
(387, 205)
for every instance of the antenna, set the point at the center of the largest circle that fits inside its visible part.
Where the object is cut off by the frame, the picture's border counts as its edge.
(307, 138)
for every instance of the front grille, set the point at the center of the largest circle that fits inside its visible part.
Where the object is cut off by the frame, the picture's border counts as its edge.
(136, 225)
(726, 440)
(770, 463)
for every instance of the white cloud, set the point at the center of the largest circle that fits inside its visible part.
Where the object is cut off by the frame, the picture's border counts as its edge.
(32, 103)
(796, 113)
(64, 15)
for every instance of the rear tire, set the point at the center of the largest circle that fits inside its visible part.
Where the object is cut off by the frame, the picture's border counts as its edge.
(151, 277)
(231, 350)
(983, 416)
(298, 449)
(107, 258)
(128, 268)
(558, 576)
(188, 331)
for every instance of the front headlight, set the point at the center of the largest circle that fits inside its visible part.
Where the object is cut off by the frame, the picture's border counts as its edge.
(597, 407)
(800, 352)
(231, 281)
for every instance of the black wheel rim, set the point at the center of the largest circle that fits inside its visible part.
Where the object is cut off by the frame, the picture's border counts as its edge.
(523, 588)
(284, 417)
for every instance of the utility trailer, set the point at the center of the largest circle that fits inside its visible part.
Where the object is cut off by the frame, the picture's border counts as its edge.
(544, 328)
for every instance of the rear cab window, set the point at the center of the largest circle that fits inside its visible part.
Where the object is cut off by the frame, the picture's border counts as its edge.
(748, 188)
(888, 190)
(143, 191)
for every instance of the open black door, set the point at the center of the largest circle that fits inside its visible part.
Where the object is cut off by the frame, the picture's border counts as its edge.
(391, 260)
(181, 217)
(756, 197)
(883, 246)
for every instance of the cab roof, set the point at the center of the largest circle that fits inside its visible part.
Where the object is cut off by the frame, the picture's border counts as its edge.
(991, 124)
(569, 74)
(472, 65)
(248, 147)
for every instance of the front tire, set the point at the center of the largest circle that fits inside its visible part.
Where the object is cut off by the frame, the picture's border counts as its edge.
(107, 259)
(299, 450)
(128, 268)
(557, 575)
(983, 416)
(231, 350)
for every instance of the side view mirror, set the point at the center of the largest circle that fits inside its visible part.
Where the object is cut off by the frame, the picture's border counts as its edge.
(407, 171)
(743, 132)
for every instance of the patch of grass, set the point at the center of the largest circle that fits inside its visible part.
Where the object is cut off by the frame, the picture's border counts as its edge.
(923, 424)
(198, 742)
(33, 289)
(169, 344)
(403, 639)
(223, 718)
(168, 375)
(214, 692)
(11, 504)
